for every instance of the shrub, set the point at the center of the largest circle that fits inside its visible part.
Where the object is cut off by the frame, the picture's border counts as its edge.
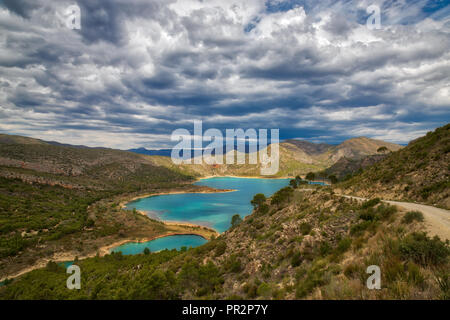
(421, 249)
(310, 176)
(220, 248)
(296, 259)
(370, 203)
(385, 211)
(258, 200)
(412, 216)
(344, 244)
(368, 215)
(442, 278)
(233, 264)
(324, 248)
(352, 270)
(414, 275)
(305, 228)
(236, 220)
(360, 227)
(282, 195)
(263, 290)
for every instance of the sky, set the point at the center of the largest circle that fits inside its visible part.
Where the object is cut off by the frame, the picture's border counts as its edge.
(139, 69)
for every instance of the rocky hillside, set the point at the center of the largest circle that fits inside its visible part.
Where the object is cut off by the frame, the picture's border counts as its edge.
(56, 199)
(308, 147)
(297, 157)
(345, 167)
(33, 160)
(419, 172)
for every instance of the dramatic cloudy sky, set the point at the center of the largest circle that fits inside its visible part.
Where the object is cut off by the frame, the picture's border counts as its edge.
(138, 69)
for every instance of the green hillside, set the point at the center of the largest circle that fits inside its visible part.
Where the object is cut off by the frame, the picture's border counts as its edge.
(57, 199)
(297, 245)
(419, 172)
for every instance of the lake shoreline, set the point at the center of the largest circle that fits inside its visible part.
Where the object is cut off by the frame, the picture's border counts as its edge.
(104, 250)
(244, 177)
(123, 204)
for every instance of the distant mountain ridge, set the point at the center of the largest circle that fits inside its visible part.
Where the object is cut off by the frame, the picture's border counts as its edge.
(310, 147)
(34, 160)
(297, 157)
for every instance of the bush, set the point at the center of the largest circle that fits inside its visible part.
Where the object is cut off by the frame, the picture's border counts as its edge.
(412, 216)
(324, 248)
(236, 220)
(305, 228)
(368, 215)
(258, 200)
(421, 249)
(233, 264)
(310, 176)
(263, 290)
(385, 211)
(220, 248)
(282, 195)
(360, 227)
(344, 244)
(296, 259)
(370, 203)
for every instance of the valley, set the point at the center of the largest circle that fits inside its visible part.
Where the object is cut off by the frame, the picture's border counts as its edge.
(302, 241)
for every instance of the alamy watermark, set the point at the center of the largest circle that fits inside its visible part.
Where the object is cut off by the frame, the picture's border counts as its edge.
(193, 152)
(74, 281)
(374, 20)
(374, 281)
(70, 17)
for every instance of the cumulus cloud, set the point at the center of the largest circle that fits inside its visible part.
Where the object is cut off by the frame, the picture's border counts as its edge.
(139, 69)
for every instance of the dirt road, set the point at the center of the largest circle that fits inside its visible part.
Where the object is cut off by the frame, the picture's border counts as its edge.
(437, 220)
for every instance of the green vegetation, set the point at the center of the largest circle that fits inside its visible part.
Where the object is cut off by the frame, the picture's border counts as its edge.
(282, 196)
(59, 198)
(310, 176)
(412, 216)
(298, 244)
(418, 172)
(236, 220)
(423, 250)
(258, 200)
(270, 256)
(33, 213)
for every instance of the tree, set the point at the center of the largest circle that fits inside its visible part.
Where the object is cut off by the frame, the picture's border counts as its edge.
(293, 183)
(258, 200)
(310, 176)
(146, 250)
(236, 220)
(333, 179)
(382, 149)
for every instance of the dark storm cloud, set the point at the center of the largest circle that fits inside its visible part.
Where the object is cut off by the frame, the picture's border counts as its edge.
(139, 69)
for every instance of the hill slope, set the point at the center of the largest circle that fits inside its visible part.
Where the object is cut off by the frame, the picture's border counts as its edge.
(297, 157)
(298, 245)
(419, 172)
(59, 199)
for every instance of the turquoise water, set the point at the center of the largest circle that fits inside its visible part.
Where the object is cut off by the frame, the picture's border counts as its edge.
(2, 283)
(66, 264)
(318, 182)
(170, 242)
(210, 209)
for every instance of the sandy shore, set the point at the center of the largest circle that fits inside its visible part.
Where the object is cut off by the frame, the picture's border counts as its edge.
(147, 195)
(104, 250)
(244, 177)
